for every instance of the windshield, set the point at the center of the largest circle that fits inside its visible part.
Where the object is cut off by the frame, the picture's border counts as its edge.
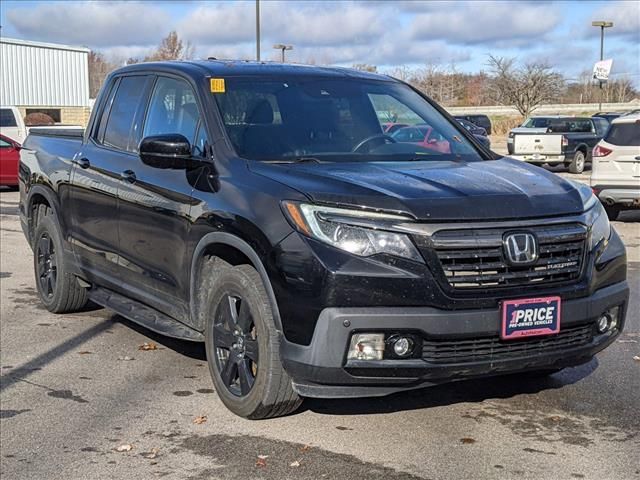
(335, 119)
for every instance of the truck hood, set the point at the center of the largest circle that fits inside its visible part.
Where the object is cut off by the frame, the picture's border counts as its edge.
(434, 190)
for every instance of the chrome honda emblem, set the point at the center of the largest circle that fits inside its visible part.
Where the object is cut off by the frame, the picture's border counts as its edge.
(521, 248)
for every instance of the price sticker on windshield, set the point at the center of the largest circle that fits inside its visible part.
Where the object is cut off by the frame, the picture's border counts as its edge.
(217, 85)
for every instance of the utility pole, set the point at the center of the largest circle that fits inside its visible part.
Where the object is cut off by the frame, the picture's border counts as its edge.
(282, 48)
(258, 30)
(602, 25)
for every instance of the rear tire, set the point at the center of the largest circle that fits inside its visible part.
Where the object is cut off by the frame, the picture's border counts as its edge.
(58, 289)
(613, 211)
(243, 346)
(577, 164)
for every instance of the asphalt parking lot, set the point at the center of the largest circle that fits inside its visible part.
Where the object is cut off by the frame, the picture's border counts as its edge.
(80, 400)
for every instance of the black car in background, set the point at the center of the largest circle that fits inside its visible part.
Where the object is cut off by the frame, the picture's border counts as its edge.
(479, 133)
(607, 115)
(477, 119)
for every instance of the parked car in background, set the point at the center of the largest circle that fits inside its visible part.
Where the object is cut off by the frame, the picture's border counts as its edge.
(609, 116)
(479, 133)
(260, 209)
(538, 124)
(9, 159)
(615, 178)
(424, 136)
(12, 124)
(471, 127)
(477, 119)
(567, 140)
(391, 127)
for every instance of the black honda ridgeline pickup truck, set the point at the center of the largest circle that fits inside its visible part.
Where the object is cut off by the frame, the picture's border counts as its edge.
(259, 208)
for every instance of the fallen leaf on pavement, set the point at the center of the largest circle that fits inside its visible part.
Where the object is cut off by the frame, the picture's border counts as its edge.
(127, 447)
(305, 448)
(262, 461)
(295, 464)
(85, 352)
(637, 358)
(151, 454)
(148, 346)
(200, 420)
(125, 359)
(467, 440)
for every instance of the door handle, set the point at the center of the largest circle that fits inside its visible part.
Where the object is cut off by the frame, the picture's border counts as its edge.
(82, 163)
(638, 157)
(128, 176)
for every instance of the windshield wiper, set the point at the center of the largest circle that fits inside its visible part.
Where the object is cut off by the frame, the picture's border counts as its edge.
(295, 160)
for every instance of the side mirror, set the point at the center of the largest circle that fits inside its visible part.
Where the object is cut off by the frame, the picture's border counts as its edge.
(170, 150)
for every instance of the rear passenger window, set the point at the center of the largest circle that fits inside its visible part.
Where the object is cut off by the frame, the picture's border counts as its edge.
(624, 134)
(126, 102)
(173, 109)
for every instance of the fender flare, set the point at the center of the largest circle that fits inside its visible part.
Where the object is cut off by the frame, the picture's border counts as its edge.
(54, 203)
(239, 244)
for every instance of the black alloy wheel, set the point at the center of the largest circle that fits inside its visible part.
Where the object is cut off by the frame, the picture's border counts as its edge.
(47, 265)
(236, 345)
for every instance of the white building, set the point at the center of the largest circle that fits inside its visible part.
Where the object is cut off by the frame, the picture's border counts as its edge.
(47, 78)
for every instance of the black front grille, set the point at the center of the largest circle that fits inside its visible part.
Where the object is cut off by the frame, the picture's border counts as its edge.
(475, 258)
(493, 349)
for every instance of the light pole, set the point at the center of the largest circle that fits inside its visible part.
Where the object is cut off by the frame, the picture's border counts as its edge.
(258, 30)
(602, 25)
(282, 48)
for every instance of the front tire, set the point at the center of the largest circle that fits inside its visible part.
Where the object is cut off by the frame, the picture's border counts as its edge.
(243, 346)
(577, 164)
(57, 287)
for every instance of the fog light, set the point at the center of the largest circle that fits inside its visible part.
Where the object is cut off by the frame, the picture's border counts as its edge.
(403, 346)
(614, 313)
(603, 323)
(609, 320)
(366, 346)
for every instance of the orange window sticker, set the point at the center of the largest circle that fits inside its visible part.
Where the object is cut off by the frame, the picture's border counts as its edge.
(217, 85)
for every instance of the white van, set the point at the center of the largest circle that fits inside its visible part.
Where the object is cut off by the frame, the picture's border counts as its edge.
(12, 124)
(615, 176)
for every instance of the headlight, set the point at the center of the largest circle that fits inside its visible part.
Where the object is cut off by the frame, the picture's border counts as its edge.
(358, 232)
(600, 227)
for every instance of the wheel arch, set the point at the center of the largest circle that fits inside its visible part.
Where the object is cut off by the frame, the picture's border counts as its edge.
(231, 249)
(39, 194)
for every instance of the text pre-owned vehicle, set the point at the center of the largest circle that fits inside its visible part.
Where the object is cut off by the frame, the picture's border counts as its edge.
(567, 140)
(260, 209)
(615, 178)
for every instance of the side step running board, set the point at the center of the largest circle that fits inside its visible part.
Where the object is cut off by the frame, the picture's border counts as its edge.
(144, 315)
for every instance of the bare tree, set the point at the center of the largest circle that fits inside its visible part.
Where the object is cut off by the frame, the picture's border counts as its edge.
(526, 87)
(99, 68)
(172, 48)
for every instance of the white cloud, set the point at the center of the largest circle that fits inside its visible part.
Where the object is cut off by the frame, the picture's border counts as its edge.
(484, 22)
(97, 24)
(625, 16)
(309, 24)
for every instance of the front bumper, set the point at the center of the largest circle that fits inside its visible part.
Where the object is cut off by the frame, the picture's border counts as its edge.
(320, 369)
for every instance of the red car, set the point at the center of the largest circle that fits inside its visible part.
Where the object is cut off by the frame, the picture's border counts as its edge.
(423, 135)
(9, 158)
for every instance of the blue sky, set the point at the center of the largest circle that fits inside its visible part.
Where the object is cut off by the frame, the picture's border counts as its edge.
(385, 33)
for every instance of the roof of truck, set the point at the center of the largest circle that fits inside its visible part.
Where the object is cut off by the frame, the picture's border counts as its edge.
(225, 68)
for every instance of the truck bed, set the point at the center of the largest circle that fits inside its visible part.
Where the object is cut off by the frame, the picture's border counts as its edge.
(537, 143)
